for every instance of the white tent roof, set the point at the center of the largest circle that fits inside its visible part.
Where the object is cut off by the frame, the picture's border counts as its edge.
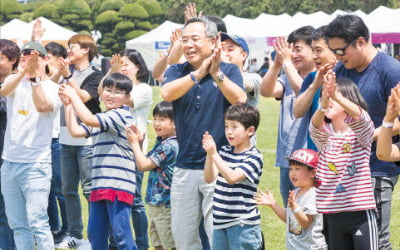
(13, 29)
(53, 30)
(161, 33)
(21, 31)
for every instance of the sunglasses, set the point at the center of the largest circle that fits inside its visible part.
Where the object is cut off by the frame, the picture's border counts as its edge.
(342, 51)
(29, 51)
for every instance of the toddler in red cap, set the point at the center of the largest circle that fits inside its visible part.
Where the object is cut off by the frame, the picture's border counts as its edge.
(304, 224)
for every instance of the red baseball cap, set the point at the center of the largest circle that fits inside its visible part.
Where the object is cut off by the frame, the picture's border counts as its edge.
(307, 157)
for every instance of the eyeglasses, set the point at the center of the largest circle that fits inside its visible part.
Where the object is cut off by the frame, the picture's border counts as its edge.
(342, 51)
(115, 93)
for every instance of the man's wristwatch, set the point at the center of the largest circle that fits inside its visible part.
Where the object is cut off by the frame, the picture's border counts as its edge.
(34, 79)
(220, 77)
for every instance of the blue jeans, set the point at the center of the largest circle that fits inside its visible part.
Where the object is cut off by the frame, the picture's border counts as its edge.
(383, 190)
(76, 165)
(285, 185)
(6, 234)
(139, 217)
(56, 192)
(105, 214)
(26, 188)
(239, 237)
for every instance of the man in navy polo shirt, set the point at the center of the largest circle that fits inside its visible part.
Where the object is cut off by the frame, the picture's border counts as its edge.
(200, 90)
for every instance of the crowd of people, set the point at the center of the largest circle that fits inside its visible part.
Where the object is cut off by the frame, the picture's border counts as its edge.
(337, 144)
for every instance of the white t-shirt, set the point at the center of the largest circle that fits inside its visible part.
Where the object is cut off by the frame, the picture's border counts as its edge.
(298, 237)
(142, 96)
(28, 133)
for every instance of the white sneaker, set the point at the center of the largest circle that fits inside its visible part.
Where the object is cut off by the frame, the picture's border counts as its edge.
(71, 242)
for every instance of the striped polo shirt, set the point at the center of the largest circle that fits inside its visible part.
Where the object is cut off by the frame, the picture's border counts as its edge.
(234, 204)
(343, 166)
(113, 164)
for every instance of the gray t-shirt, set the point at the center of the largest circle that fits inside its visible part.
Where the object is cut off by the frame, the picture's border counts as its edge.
(292, 132)
(298, 237)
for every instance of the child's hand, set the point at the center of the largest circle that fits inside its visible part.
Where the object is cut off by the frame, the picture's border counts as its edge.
(67, 91)
(65, 99)
(292, 200)
(330, 84)
(266, 198)
(132, 133)
(209, 143)
(396, 97)
(391, 110)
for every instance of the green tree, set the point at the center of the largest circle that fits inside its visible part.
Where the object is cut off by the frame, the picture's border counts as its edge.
(9, 9)
(72, 12)
(48, 10)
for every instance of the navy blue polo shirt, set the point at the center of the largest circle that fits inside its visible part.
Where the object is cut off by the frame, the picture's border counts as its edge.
(375, 83)
(201, 109)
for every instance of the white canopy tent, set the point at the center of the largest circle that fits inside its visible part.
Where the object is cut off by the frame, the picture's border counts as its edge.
(152, 44)
(21, 32)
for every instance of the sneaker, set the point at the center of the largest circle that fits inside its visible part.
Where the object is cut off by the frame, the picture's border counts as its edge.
(70, 242)
(59, 236)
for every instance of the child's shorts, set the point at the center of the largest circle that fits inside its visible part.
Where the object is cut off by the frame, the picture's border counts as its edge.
(160, 226)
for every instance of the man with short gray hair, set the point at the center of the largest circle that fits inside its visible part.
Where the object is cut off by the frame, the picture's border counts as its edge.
(200, 90)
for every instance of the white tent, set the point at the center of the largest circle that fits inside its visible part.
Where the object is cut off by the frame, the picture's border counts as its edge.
(13, 30)
(152, 44)
(21, 32)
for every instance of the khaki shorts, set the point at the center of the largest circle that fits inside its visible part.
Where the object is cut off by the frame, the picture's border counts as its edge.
(160, 226)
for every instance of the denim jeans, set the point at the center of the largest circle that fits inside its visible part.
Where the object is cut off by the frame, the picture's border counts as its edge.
(238, 237)
(383, 190)
(285, 185)
(139, 217)
(26, 188)
(105, 214)
(76, 165)
(6, 234)
(56, 192)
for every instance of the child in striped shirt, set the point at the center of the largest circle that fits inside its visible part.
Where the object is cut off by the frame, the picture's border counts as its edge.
(113, 165)
(342, 130)
(237, 170)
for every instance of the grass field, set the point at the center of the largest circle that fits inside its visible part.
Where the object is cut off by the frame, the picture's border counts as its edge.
(272, 227)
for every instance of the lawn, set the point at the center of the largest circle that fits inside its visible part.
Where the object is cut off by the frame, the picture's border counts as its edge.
(272, 227)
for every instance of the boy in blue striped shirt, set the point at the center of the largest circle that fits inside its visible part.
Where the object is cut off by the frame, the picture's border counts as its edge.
(237, 170)
(113, 164)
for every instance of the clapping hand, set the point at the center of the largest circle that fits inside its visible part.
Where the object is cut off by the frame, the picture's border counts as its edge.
(209, 143)
(266, 198)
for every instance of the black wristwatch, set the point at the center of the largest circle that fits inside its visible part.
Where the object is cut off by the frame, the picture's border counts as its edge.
(34, 79)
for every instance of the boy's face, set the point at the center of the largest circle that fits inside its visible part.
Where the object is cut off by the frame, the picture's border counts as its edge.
(301, 176)
(113, 97)
(76, 53)
(321, 53)
(5, 65)
(163, 126)
(233, 53)
(237, 135)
